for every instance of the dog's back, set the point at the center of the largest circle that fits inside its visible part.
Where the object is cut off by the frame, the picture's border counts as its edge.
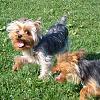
(89, 69)
(56, 38)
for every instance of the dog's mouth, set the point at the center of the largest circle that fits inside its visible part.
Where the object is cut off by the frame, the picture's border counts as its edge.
(20, 44)
(23, 43)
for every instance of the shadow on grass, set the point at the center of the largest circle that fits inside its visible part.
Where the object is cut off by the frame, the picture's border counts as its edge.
(97, 98)
(93, 56)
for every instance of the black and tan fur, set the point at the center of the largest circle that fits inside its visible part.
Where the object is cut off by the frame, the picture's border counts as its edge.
(88, 71)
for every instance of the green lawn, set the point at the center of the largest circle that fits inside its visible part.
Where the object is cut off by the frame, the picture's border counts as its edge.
(84, 31)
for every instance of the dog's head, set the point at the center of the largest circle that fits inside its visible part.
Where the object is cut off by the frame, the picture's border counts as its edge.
(68, 61)
(66, 65)
(24, 33)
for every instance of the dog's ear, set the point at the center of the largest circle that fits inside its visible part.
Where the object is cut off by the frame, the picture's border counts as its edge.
(58, 57)
(37, 24)
(81, 53)
(38, 21)
(62, 57)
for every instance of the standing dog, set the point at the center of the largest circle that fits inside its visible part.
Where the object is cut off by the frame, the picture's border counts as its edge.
(26, 37)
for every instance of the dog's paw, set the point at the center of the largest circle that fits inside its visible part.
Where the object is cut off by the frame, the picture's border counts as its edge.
(14, 68)
(43, 77)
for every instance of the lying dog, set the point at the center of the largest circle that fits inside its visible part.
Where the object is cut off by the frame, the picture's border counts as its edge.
(87, 71)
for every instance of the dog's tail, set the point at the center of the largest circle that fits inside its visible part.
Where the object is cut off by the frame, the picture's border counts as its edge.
(63, 20)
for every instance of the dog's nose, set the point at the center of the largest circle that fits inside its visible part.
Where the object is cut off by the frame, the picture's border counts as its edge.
(19, 36)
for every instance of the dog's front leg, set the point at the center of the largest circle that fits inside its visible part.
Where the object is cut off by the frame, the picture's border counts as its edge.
(44, 71)
(46, 63)
(18, 62)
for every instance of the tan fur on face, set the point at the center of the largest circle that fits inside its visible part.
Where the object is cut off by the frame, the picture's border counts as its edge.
(64, 68)
(29, 31)
(25, 38)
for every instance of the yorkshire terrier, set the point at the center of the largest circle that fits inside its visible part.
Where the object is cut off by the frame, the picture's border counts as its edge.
(87, 71)
(26, 36)
(62, 67)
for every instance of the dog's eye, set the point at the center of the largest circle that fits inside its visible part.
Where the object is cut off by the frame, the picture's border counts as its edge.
(17, 31)
(27, 32)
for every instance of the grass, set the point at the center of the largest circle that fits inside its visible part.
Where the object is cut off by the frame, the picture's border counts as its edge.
(84, 31)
